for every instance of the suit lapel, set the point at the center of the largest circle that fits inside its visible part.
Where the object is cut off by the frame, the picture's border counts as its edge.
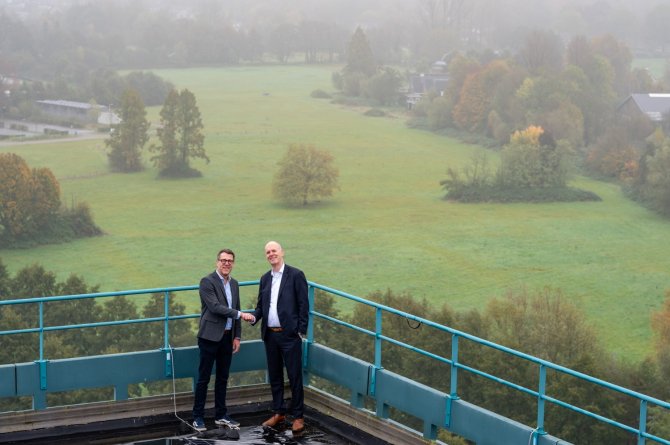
(284, 277)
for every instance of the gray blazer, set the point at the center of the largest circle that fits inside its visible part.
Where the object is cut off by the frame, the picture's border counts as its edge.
(215, 310)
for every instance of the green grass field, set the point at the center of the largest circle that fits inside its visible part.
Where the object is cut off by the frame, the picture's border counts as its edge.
(387, 227)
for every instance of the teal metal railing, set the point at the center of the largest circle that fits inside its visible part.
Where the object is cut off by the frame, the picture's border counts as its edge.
(378, 336)
(542, 397)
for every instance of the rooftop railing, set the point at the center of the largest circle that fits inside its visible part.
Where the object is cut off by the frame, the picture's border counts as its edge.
(456, 367)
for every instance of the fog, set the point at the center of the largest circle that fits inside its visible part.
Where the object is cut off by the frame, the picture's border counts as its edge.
(492, 24)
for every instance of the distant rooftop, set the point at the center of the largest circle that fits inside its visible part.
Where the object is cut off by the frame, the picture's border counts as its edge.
(69, 104)
(654, 105)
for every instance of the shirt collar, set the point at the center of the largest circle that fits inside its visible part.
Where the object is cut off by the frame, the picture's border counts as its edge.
(279, 273)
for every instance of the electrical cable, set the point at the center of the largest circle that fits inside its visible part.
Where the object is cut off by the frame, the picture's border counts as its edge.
(532, 437)
(190, 440)
(174, 391)
(413, 327)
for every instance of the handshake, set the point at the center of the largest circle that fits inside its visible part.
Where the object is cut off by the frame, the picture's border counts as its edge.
(247, 317)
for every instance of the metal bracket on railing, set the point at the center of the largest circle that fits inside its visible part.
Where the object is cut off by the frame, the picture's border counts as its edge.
(168, 362)
(447, 420)
(373, 379)
(43, 373)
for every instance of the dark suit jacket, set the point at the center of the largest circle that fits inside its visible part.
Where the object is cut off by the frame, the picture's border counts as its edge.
(292, 302)
(215, 310)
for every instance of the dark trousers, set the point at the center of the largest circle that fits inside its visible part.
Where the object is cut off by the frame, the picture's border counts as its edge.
(211, 352)
(285, 349)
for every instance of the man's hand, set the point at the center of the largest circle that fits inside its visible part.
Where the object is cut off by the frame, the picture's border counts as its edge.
(247, 317)
(236, 345)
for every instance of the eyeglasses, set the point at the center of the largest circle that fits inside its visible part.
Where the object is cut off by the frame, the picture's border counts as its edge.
(226, 261)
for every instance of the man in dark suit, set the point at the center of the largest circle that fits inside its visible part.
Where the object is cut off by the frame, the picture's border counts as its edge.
(284, 308)
(218, 338)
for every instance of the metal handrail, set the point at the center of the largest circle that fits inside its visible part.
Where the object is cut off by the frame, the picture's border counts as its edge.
(378, 338)
(543, 364)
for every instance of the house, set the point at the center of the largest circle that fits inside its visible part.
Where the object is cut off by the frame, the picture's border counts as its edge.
(419, 84)
(67, 109)
(80, 111)
(656, 106)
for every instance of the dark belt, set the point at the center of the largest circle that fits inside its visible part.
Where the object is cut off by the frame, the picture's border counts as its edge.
(275, 329)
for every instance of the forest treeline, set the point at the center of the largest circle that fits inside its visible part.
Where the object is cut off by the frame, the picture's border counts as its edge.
(541, 323)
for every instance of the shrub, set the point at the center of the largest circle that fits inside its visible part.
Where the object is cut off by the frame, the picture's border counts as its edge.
(320, 94)
(375, 112)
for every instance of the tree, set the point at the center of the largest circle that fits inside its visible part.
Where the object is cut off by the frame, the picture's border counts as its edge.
(532, 159)
(45, 197)
(35, 281)
(181, 136)
(30, 207)
(128, 138)
(546, 325)
(614, 155)
(305, 174)
(660, 323)
(542, 51)
(15, 195)
(283, 41)
(383, 87)
(361, 65)
(29, 200)
(658, 178)
(476, 97)
(359, 55)
(656, 25)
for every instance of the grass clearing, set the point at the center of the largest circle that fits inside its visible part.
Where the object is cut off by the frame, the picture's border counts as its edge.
(387, 227)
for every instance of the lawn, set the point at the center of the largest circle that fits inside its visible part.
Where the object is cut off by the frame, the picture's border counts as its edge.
(387, 227)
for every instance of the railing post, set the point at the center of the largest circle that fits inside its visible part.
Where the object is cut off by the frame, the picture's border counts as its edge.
(166, 335)
(453, 389)
(542, 388)
(41, 362)
(378, 351)
(310, 322)
(378, 340)
(310, 334)
(643, 423)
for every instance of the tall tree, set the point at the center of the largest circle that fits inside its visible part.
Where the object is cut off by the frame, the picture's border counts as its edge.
(181, 136)
(15, 188)
(476, 97)
(658, 178)
(660, 322)
(542, 51)
(29, 199)
(359, 55)
(30, 207)
(305, 173)
(128, 138)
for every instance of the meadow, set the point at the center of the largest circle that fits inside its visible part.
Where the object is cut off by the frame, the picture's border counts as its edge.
(386, 228)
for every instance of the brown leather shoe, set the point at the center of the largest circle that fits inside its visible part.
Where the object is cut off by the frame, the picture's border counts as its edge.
(274, 420)
(298, 425)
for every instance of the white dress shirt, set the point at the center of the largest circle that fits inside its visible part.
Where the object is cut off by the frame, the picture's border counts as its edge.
(229, 299)
(273, 317)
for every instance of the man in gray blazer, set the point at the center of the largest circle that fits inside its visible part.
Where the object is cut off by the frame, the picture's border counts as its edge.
(218, 338)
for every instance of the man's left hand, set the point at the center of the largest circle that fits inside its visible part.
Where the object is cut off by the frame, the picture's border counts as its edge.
(236, 345)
